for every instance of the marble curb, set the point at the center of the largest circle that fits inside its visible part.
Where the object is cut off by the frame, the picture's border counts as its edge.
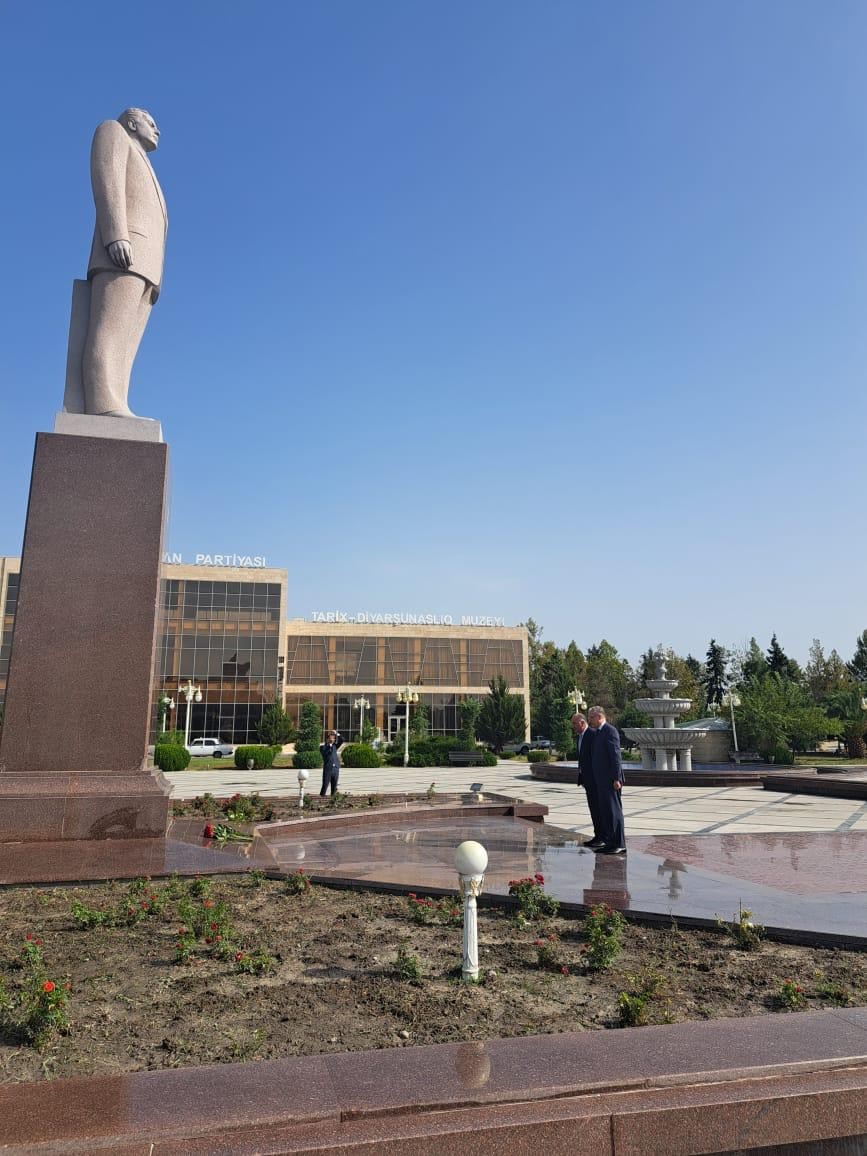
(713, 1086)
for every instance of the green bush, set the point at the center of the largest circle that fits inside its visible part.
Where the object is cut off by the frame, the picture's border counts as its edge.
(359, 755)
(171, 757)
(174, 738)
(262, 756)
(781, 757)
(489, 759)
(539, 757)
(432, 752)
(307, 760)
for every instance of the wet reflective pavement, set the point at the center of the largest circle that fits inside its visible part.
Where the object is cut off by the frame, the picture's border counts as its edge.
(811, 883)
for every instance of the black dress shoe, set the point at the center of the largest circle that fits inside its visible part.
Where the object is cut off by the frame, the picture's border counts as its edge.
(594, 844)
(612, 850)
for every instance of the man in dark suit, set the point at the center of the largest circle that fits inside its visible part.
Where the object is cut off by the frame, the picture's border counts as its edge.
(330, 761)
(607, 773)
(583, 740)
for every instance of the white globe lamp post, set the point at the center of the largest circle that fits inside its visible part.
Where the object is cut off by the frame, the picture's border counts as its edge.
(303, 776)
(471, 859)
(191, 694)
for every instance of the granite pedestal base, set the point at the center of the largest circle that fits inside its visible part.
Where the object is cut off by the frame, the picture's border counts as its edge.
(77, 710)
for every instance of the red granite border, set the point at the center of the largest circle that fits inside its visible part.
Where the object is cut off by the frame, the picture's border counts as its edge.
(716, 1086)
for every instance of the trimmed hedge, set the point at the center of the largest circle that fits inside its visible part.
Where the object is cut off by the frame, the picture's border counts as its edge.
(307, 759)
(175, 738)
(539, 757)
(262, 757)
(359, 755)
(171, 757)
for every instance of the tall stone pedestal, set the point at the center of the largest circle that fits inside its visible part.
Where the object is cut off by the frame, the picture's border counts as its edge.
(74, 740)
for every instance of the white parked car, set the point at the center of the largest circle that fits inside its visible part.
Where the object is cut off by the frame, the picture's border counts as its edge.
(213, 748)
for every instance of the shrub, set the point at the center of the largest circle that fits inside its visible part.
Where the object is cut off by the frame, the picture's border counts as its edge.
(307, 760)
(632, 1005)
(746, 934)
(174, 738)
(432, 752)
(538, 757)
(489, 759)
(171, 757)
(791, 995)
(532, 900)
(605, 928)
(548, 954)
(275, 726)
(407, 966)
(297, 883)
(425, 910)
(262, 756)
(359, 755)
(781, 757)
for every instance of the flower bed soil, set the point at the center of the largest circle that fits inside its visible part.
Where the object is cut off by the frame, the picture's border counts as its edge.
(333, 985)
(273, 807)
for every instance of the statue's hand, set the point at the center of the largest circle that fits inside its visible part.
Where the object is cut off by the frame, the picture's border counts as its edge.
(121, 253)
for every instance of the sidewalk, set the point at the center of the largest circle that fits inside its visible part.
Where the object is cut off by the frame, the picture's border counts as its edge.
(649, 810)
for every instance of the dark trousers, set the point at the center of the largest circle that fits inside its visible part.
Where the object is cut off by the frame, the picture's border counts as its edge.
(610, 811)
(589, 785)
(329, 777)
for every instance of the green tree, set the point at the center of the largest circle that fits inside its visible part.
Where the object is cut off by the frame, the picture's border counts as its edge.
(501, 718)
(824, 675)
(309, 736)
(715, 676)
(469, 709)
(576, 665)
(858, 665)
(419, 723)
(552, 707)
(753, 665)
(780, 663)
(609, 678)
(776, 712)
(275, 726)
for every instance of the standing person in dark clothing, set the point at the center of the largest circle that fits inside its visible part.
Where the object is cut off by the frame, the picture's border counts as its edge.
(330, 761)
(583, 740)
(607, 773)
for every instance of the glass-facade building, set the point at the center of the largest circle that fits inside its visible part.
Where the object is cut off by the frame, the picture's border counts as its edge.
(8, 605)
(333, 665)
(221, 630)
(225, 631)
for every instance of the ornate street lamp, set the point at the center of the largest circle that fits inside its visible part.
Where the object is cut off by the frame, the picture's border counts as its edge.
(408, 697)
(731, 700)
(191, 694)
(303, 776)
(362, 704)
(165, 704)
(577, 699)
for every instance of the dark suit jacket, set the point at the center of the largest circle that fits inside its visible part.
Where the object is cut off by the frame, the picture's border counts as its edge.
(583, 754)
(330, 758)
(605, 755)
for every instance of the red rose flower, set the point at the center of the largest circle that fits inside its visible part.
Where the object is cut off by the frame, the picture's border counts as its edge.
(48, 986)
(209, 831)
(239, 955)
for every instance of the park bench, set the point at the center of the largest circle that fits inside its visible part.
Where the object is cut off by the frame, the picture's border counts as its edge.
(739, 757)
(466, 758)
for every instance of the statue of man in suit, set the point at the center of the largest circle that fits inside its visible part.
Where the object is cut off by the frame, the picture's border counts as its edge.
(111, 309)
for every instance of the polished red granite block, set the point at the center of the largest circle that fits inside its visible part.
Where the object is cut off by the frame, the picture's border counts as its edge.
(668, 1091)
(79, 683)
(77, 700)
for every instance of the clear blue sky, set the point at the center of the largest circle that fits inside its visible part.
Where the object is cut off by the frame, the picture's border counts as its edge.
(523, 309)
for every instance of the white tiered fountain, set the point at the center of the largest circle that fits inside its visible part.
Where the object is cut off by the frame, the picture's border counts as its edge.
(663, 746)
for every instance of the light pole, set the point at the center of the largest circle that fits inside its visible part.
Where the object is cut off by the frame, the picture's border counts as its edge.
(361, 704)
(408, 697)
(577, 699)
(191, 694)
(165, 703)
(731, 700)
(303, 776)
(471, 859)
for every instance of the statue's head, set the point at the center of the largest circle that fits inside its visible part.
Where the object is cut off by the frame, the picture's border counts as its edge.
(142, 127)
